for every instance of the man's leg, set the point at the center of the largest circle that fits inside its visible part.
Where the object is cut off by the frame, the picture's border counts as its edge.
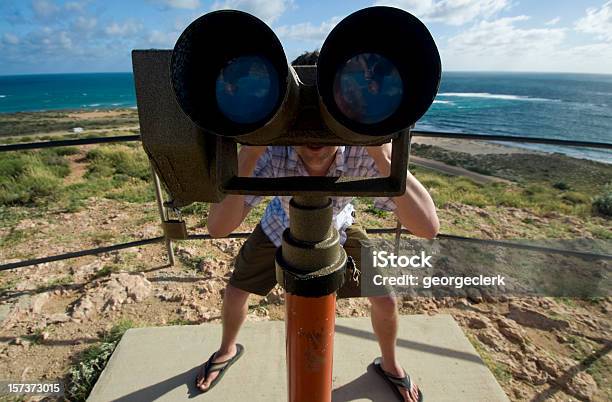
(384, 318)
(253, 273)
(235, 309)
(384, 314)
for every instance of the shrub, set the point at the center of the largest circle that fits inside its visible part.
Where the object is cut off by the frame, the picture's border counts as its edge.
(380, 213)
(197, 208)
(533, 189)
(132, 190)
(476, 199)
(27, 177)
(481, 170)
(561, 185)
(61, 151)
(107, 161)
(433, 182)
(603, 202)
(573, 197)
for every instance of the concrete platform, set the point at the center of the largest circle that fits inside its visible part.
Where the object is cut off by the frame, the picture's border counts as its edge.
(160, 363)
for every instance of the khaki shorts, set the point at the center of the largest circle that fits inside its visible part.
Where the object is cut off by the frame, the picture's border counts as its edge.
(255, 270)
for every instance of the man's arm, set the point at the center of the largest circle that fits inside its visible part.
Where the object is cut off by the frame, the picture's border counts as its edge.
(228, 214)
(415, 209)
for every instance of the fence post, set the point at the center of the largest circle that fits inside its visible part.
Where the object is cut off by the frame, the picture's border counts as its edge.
(162, 214)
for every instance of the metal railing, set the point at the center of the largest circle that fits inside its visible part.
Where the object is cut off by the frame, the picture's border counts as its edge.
(398, 230)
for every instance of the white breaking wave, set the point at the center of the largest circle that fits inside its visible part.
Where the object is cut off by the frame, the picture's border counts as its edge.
(2, 96)
(443, 102)
(496, 96)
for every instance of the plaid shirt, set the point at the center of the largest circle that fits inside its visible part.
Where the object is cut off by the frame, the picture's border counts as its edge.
(281, 161)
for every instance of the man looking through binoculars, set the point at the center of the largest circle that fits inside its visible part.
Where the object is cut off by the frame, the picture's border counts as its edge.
(255, 271)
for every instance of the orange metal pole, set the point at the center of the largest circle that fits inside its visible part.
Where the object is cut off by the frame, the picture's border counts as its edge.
(310, 266)
(309, 327)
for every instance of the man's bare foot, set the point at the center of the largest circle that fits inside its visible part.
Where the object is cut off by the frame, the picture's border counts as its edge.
(410, 395)
(220, 356)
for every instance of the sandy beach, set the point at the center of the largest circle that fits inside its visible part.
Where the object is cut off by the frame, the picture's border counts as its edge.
(472, 147)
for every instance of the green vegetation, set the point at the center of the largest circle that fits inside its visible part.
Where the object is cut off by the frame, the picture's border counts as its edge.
(36, 337)
(83, 375)
(36, 178)
(107, 270)
(603, 202)
(539, 197)
(555, 171)
(257, 212)
(191, 262)
(601, 372)
(64, 280)
(13, 398)
(8, 284)
(561, 185)
(13, 124)
(180, 321)
(14, 236)
(197, 208)
(118, 162)
(19, 139)
(367, 205)
(27, 178)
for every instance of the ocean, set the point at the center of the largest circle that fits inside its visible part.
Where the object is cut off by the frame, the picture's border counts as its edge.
(562, 106)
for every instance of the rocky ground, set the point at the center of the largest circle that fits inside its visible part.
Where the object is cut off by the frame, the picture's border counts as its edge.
(539, 348)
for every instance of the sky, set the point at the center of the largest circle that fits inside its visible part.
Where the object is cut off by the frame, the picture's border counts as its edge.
(55, 36)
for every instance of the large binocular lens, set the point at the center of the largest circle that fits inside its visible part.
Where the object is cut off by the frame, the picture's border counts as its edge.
(229, 73)
(247, 89)
(368, 88)
(378, 73)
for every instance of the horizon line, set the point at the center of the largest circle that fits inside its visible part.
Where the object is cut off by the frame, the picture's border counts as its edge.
(443, 71)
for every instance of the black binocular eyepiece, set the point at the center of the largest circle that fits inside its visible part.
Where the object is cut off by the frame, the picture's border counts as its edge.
(377, 74)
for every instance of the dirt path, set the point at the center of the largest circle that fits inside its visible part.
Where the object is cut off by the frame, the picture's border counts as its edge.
(455, 170)
(78, 165)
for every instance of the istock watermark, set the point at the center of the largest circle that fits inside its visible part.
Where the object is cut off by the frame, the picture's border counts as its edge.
(447, 267)
(385, 259)
(428, 282)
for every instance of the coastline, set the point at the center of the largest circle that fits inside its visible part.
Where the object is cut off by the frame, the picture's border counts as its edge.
(52, 123)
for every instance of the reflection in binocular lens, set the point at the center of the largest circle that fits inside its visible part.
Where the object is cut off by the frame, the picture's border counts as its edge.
(247, 89)
(368, 88)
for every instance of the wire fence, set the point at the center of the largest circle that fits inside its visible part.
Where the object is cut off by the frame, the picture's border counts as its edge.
(397, 231)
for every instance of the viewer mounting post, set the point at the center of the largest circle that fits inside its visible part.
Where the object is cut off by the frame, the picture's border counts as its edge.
(227, 82)
(310, 266)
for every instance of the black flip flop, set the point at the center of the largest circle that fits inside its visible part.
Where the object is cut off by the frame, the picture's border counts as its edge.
(221, 367)
(395, 382)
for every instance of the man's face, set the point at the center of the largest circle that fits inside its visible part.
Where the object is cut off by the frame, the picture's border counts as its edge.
(316, 157)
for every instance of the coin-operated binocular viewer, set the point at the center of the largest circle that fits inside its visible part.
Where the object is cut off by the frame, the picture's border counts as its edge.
(227, 82)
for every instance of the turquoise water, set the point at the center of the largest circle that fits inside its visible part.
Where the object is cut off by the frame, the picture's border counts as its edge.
(564, 106)
(560, 106)
(26, 93)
